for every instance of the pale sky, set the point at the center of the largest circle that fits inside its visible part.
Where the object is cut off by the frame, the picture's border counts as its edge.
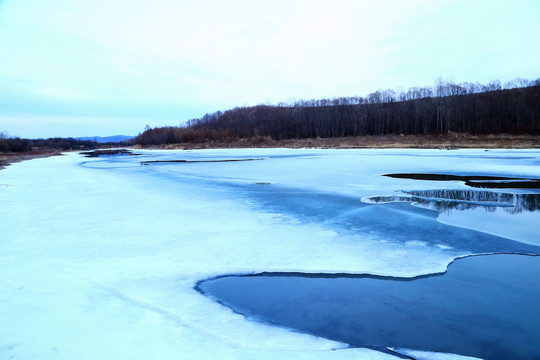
(107, 67)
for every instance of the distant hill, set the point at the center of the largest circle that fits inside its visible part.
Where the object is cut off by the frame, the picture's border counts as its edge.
(107, 139)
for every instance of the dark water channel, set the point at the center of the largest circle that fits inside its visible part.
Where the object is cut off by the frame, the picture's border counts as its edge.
(483, 306)
(477, 181)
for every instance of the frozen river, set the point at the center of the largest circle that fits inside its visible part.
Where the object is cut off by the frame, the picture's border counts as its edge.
(100, 256)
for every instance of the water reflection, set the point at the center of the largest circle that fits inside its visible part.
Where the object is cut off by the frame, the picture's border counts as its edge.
(460, 200)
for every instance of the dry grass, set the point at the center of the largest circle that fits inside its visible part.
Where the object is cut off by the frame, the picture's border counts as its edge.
(447, 141)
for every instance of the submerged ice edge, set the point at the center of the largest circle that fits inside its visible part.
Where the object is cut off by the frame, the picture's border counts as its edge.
(359, 275)
(413, 354)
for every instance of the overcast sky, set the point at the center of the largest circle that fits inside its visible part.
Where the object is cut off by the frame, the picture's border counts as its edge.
(106, 67)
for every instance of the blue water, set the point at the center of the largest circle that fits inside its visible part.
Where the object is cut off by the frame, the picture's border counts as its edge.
(484, 306)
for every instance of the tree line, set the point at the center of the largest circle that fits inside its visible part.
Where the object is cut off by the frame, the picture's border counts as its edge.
(18, 145)
(472, 108)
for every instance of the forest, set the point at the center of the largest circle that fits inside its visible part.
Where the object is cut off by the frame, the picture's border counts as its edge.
(18, 145)
(471, 108)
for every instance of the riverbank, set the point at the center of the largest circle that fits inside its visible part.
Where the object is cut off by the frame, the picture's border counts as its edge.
(446, 141)
(9, 158)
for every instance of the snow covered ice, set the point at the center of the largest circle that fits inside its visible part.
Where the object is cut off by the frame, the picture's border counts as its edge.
(99, 256)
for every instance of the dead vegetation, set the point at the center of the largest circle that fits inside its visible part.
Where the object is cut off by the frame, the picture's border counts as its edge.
(447, 141)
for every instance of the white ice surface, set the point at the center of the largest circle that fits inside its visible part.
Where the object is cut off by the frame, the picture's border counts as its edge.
(98, 260)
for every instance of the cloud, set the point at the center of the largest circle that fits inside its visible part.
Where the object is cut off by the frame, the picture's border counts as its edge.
(206, 55)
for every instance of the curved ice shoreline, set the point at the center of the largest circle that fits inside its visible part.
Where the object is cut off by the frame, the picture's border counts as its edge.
(331, 275)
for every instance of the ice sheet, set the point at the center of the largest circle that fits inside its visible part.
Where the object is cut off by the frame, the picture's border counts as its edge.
(99, 256)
